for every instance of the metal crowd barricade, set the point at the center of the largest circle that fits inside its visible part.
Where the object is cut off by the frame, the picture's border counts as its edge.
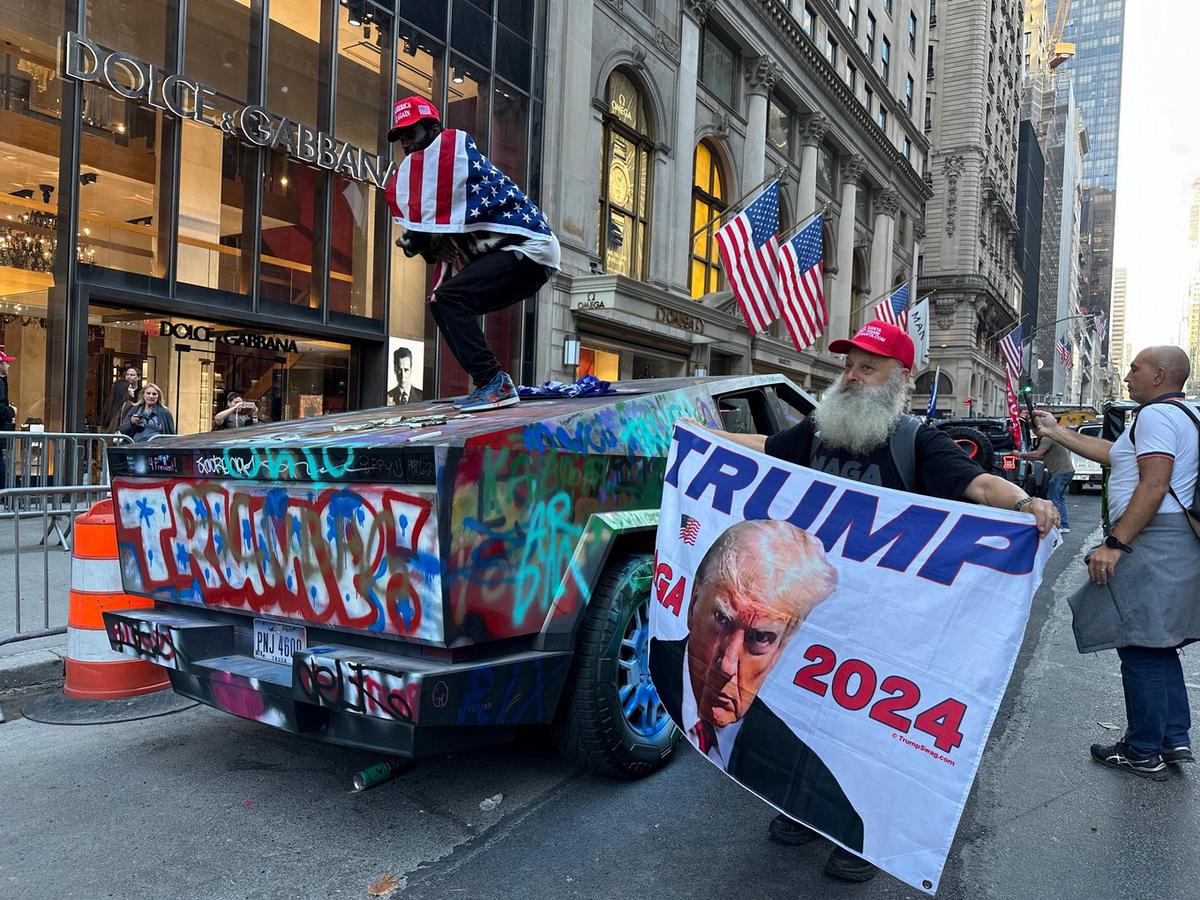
(51, 477)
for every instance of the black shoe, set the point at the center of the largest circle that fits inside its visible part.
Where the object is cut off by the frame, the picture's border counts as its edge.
(845, 865)
(1174, 756)
(790, 832)
(1120, 756)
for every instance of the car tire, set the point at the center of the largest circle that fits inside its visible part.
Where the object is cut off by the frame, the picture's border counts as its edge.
(610, 719)
(974, 443)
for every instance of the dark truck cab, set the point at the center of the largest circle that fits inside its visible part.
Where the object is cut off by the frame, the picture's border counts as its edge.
(413, 580)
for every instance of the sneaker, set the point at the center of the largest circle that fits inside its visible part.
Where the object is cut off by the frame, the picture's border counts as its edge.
(846, 866)
(498, 392)
(1174, 756)
(467, 398)
(1121, 756)
(789, 831)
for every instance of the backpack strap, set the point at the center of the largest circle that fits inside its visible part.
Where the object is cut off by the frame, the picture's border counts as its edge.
(903, 444)
(1195, 507)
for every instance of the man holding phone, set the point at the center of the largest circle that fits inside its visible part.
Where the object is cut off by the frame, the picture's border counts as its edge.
(238, 412)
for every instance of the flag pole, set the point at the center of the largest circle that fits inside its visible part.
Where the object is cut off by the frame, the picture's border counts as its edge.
(735, 207)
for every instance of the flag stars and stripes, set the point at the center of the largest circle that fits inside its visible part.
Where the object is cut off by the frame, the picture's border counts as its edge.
(894, 309)
(803, 284)
(749, 248)
(689, 529)
(1012, 349)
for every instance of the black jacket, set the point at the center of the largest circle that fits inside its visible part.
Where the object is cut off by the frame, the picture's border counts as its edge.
(767, 757)
(8, 420)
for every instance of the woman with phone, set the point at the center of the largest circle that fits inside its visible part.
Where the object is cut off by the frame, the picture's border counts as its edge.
(238, 412)
(147, 418)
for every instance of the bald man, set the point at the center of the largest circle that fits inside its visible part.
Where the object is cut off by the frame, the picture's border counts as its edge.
(754, 588)
(1145, 577)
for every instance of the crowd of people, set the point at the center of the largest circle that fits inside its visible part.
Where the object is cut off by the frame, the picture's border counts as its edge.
(137, 410)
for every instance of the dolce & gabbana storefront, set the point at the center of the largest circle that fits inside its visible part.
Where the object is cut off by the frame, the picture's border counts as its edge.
(193, 188)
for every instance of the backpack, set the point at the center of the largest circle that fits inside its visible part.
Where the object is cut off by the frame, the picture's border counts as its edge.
(902, 443)
(1193, 510)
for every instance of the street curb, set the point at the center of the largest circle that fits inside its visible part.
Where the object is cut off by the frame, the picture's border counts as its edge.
(22, 670)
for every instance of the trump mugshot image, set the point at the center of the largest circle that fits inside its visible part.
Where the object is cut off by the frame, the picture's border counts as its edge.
(753, 590)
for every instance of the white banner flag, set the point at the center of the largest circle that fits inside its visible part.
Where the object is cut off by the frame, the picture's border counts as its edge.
(837, 648)
(918, 330)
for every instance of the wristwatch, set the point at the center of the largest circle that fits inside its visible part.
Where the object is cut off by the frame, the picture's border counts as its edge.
(1112, 542)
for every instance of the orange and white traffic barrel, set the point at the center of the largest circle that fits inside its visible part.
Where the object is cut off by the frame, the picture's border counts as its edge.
(94, 671)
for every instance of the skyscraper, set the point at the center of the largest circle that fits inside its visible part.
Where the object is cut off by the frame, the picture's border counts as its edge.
(1116, 329)
(1096, 27)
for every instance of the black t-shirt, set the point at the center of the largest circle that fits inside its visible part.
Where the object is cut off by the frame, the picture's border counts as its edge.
(942, 469)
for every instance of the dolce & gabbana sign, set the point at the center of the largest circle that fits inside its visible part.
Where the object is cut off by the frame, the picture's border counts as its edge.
(186, 98)
(208, 335)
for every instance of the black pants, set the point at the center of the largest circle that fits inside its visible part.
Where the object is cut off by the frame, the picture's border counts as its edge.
(490, 283)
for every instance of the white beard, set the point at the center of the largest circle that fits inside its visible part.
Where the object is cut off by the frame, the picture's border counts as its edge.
(858, 417)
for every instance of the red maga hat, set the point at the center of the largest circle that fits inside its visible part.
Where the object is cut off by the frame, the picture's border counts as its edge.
(410, 111)
(882, 339)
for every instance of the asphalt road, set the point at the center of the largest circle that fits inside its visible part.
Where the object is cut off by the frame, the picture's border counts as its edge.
(199, 804)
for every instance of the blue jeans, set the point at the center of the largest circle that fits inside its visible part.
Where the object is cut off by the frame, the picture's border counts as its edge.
(1156, 700)
(1058, 495)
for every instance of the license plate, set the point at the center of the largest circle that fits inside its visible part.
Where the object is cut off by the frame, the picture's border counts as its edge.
(276, 643)
(1010, 463)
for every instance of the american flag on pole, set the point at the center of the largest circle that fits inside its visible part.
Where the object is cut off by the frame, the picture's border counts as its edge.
(803, 283)
(1065, 348)
(1100, 324)
(452, 188)
(894, 310)
(749, 245)
(689, 530)
(1014, 354)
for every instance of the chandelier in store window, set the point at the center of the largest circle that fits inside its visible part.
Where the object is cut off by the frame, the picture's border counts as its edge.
(30, 243)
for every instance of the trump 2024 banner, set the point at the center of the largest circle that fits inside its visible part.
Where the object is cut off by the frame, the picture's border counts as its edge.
(838, 649)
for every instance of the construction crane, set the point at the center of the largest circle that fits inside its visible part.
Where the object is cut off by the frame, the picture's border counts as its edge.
(1060, 50)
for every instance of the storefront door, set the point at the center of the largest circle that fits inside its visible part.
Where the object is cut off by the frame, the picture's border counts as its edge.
(196, 363)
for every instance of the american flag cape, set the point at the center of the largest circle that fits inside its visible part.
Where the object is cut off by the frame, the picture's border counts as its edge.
(1014, 355)
(802, 284)
(894, 309)
(749, 246)
(452, 188)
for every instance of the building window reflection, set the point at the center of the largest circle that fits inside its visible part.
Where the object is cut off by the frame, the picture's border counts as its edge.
(624, 180)
(708, 202)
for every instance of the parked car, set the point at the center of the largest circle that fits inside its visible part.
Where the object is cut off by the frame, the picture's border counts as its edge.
(413, 580)
(989, 442)
(1088, 473)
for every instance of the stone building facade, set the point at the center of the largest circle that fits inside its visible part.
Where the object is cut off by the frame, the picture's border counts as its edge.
(662, 115)
(968, 264)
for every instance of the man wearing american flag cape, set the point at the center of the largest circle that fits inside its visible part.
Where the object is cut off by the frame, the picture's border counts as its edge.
(491, 247)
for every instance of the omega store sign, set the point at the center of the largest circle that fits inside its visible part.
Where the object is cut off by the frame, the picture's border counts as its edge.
(85, 60)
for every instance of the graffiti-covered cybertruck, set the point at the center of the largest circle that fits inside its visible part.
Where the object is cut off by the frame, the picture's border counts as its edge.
(414, 581)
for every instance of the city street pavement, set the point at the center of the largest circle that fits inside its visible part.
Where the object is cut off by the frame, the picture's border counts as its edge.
(203, 805)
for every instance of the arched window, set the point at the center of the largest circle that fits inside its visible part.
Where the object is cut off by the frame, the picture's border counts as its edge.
(624, 180)
(708, 201)
(925, 384)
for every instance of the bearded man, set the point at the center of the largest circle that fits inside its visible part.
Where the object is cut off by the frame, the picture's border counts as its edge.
(850, 434)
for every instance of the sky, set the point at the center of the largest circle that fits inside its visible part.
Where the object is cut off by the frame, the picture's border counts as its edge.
(1158, 159)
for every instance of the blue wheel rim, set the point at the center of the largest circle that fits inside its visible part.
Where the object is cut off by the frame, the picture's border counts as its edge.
(641, 707)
